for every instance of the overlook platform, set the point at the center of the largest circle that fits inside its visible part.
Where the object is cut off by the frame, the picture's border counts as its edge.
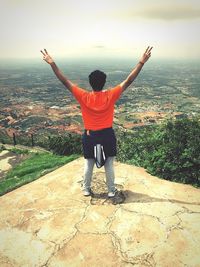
(48, 222)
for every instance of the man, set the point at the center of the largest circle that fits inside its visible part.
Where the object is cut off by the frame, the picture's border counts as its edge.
(97, 107)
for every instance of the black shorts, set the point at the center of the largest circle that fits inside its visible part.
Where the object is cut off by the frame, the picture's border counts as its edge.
(105, 137)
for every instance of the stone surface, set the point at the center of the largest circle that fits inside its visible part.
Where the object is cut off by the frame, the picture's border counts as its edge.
(48, 222)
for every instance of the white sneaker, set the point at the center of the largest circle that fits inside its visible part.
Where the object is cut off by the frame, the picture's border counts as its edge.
(112, 193)
(87, 192)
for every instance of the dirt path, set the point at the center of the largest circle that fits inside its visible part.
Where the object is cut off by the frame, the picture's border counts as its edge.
(8, 160)
(33, 149)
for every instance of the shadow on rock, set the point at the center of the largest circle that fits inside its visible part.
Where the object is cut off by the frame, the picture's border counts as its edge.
(133, 197)
(103, 199)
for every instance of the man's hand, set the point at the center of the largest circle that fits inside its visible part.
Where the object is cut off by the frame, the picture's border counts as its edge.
(137, 69)
(47, 57)
(146, 55)
(56, 70)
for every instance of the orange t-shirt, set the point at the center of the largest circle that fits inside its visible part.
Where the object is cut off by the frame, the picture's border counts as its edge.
(97, 107)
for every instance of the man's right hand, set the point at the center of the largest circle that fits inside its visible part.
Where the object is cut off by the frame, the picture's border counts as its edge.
(146, 55)
(47, 57)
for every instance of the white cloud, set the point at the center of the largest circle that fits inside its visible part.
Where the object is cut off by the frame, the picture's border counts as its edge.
(165, 12)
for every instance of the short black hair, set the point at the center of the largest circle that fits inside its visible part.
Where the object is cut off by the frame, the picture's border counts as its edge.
(97, 80)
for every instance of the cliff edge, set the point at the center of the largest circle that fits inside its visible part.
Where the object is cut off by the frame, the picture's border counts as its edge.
(48, 222)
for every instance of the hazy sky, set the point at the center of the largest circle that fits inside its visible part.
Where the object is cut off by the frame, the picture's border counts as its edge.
(70, 28)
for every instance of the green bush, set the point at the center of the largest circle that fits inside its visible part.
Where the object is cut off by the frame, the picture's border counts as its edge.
(4, 138)
(2, 147)
(65, 145)
(170, 150)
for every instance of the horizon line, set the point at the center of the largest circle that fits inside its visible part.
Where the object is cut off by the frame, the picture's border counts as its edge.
(99, 58)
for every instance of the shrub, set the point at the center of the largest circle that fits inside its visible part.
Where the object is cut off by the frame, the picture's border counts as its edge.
(170, 150)
(65, 145)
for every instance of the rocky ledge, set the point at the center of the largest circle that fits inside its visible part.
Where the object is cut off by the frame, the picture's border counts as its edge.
(50, 223)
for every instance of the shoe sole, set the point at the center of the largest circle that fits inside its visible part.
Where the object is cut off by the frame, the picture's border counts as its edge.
(87, 195)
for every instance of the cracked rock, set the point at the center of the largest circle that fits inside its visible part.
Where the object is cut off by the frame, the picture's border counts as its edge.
(150, 222)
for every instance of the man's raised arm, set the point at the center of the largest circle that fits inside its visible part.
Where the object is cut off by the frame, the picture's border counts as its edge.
(67, 83)
(137, 69)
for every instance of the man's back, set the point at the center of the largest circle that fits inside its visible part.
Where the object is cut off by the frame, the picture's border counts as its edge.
(97, 107)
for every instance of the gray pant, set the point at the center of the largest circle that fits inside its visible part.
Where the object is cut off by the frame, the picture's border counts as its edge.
(110, 175)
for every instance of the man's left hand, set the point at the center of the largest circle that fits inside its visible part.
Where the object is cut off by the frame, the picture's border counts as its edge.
(47, 57)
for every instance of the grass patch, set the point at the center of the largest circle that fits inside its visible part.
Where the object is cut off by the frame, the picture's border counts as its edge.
(37, 165)
(18, 151)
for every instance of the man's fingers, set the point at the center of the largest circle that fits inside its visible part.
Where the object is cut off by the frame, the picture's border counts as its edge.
(147, 49)
(45, 51)
(150, 49)
(42, 52)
